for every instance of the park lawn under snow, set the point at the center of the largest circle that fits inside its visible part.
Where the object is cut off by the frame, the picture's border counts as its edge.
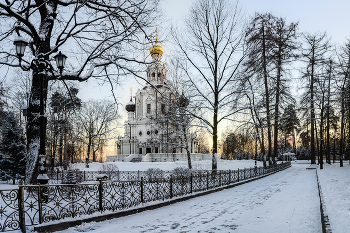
(335, 184)
(167, 166)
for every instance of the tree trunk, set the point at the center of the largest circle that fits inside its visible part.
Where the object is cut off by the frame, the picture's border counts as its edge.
(267, 96)
(189, 159)
(341, 151)
(262, 144)
(312, 114)
(60, 149)
(317, 145)
(321, 136)
(348, 141)
(275, 139)
(88, 152)
(214, 164)
(328, 150)
(33, 128)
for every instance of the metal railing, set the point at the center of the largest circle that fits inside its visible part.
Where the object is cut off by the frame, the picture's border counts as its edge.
(35, 204)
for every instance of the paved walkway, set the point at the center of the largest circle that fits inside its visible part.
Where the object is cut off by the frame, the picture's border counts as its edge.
(283, 202)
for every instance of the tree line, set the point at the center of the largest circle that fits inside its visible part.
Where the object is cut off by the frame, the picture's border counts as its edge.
(245, 74)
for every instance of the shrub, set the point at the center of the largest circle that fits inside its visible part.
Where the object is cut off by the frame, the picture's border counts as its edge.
(181, 172)
(111, 170)
(154, 173)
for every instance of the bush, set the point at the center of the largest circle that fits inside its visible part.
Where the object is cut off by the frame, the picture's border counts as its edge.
(181, 172)
(154, 173)
(72, 176)
(110, 170)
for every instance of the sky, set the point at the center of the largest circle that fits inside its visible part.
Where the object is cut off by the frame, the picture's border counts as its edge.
(312, 15)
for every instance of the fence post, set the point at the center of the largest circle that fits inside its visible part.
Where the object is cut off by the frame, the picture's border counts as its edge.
(100, 195)
(191, 181)
(157, 185)
(238, 175)
(255, 171)
(84, 176)
(22, 219)
(40, 205)
(229, 176)
(220, 178)
(207, 180)
(141, 190)
(171, 186)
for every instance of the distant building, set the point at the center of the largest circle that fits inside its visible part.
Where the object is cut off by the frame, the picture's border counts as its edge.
(148, 136)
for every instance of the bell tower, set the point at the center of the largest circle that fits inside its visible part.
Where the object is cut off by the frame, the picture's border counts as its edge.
(156, 72)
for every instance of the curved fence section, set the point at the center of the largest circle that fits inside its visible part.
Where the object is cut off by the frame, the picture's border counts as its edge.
(35, 204)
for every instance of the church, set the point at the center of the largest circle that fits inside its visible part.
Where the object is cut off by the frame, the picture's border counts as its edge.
(150, 133)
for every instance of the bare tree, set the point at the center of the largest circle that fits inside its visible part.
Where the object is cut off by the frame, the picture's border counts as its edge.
(272, 48)
(97, 33)
(96, 122)
(260, 40)
(344, 97)
(284, 52)
(316, 47)
(212, 46)
(203, 144)
(63, 106)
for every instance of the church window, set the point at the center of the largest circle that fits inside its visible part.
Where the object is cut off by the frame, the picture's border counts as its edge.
(140, 133)
(163, 108)
(159, 76)
(140, 150)
(153, 76)
(156, 131)
(148, 132)
(148, 108)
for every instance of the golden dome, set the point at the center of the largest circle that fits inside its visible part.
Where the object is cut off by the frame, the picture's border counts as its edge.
(156, 49)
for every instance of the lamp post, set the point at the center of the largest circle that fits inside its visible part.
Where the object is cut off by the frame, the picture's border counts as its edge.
(39, 65)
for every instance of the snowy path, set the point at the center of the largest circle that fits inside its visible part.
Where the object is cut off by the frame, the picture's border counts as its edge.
(283, 202)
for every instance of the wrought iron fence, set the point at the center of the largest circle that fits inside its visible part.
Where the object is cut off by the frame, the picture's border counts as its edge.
(35, 204)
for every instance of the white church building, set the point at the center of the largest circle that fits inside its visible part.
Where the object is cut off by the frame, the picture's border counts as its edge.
(149, 136)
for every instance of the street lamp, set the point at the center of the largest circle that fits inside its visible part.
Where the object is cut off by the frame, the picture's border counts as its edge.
(39, 65)
(20, 44)
(60, 61)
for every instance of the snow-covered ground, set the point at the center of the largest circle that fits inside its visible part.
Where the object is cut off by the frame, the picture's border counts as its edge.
(167, 166)
(335, 185)
(283, 202)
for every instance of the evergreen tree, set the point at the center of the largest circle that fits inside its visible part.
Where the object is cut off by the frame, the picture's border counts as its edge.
(62, 106)
(289, 123)
(12, 149)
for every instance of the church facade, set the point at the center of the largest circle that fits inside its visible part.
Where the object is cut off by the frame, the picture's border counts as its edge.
(150, 133)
